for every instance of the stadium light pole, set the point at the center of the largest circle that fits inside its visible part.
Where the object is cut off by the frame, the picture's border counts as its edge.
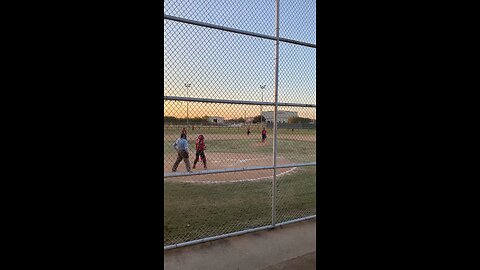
(261, 106)
(187, 85)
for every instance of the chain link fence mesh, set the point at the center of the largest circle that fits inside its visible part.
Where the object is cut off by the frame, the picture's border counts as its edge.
(208, 73)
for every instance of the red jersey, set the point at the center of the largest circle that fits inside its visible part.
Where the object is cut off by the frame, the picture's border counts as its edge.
(264, 132)
(200, 145)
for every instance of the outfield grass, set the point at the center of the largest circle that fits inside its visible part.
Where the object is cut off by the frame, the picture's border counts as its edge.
(175, 130)
(194, 211)
(294, 151)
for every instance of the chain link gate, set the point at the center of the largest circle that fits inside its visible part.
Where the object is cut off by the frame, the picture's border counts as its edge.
(243, 75)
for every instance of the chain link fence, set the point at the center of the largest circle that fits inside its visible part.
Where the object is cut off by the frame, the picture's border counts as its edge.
(250, 92)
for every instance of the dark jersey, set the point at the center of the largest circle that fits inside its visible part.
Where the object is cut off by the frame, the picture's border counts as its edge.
(200, 145)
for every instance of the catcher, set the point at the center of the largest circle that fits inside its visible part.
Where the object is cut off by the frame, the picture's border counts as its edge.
(200, 147)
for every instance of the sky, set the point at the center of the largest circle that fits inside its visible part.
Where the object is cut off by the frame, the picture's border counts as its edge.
(225, 65)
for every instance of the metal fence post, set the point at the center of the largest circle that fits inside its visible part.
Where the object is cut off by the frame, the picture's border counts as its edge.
(274, 181)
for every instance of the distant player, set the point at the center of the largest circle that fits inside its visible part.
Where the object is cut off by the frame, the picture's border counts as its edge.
(200, 147)
(181, 146)
(264, 135)
(248, 131)
(184, 131)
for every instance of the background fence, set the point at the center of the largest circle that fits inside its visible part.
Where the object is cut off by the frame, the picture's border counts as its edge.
(232, 69)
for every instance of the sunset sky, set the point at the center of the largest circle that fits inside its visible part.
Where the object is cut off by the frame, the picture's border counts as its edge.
(225, 65)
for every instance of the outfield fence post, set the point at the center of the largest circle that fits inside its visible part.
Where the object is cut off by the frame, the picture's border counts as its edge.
(275, 82)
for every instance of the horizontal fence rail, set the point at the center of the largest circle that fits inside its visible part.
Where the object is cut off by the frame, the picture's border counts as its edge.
(242, 102)
(218, 237)
(255, 168)
(233, 30)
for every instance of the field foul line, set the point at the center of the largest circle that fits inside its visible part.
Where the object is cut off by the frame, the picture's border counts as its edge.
(241, 160)
(238, 181)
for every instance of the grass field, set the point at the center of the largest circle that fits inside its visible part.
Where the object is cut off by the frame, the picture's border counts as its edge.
(195, 211)
(174, 130)
(295, 151)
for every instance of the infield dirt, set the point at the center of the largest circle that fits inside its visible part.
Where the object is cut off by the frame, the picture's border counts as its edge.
(228, 160)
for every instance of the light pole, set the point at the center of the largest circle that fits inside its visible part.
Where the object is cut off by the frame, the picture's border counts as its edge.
(187, 85)
(261, 106)
(244, 117)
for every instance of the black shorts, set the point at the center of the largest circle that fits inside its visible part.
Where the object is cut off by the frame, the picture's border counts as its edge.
(264, 137)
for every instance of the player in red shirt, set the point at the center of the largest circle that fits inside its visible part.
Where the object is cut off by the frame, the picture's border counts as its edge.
(200, 147)
(264, 135)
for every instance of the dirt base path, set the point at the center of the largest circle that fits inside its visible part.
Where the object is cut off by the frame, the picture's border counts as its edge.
(224, 161)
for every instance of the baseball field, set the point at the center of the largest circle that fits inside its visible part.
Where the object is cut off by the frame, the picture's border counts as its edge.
(201, 206)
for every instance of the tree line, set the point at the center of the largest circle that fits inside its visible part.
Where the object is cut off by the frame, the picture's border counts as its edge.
(256, 119)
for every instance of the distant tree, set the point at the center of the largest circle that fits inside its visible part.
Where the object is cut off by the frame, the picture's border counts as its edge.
(235, 120)
(298, 120)
(172, 119)
(257, 118)
(169, 119)
(198, 120)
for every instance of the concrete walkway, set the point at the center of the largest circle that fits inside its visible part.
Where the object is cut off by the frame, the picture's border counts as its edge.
(307, 261)
(291, 246)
